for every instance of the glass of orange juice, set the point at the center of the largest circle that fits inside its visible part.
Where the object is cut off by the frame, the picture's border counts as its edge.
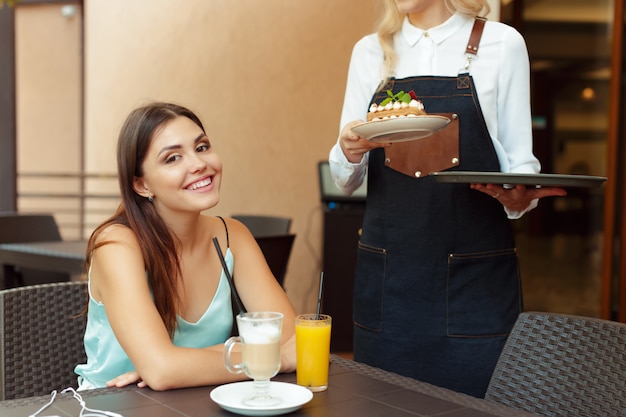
(313, 350)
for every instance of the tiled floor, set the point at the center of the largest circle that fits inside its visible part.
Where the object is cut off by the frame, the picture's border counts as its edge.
(561, 274)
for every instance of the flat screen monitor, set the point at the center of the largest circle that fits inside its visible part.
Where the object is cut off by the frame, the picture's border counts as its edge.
(331, 193)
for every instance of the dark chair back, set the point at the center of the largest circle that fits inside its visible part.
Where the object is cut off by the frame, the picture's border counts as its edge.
(20, 228)
(265, 225)
(277, 250)
(24, 228)
(42, 338)
(562, 365)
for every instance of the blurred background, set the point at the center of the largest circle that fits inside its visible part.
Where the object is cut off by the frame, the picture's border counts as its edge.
(267, 78)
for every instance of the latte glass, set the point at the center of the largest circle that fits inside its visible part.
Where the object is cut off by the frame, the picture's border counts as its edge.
(259, 337)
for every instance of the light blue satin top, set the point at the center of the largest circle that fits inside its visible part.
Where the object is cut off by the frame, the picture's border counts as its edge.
(105, 357)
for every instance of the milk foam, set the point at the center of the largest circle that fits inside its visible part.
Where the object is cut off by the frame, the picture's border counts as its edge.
(259, 333)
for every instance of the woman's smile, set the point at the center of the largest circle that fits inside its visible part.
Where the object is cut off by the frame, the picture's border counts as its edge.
(203, 183)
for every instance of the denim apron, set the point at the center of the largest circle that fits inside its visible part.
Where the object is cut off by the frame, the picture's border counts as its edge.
(437, 287)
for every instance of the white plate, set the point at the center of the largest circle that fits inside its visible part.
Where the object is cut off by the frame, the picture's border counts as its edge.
(401, 129)
(230, 397)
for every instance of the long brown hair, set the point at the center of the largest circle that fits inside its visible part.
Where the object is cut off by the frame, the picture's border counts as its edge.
(391, 22)
(158, 245)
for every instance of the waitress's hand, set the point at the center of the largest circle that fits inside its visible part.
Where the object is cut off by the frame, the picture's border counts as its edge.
(518, 198)
(353, 145)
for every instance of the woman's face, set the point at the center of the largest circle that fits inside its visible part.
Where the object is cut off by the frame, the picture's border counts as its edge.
(424, 14)
(180, 170)
(416, 6)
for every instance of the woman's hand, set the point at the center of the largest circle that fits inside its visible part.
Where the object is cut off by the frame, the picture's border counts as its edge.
(518, 198)
(288, 355)
(127, 379)
(353, 145)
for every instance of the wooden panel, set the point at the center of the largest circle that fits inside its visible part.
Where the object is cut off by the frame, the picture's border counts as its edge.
(7, 111)
(611, 212)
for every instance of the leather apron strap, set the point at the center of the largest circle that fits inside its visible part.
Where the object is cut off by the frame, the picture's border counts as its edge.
(477, 33)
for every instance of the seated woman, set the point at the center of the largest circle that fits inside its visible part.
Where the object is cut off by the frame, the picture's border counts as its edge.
(159, 301)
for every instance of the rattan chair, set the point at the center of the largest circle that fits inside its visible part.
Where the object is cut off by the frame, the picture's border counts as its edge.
(26, 228)
(41, 338)
(261, 226)
(562, 365)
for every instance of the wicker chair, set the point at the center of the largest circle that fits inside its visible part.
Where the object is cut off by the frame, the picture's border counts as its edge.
(41, 339)
(562, 365)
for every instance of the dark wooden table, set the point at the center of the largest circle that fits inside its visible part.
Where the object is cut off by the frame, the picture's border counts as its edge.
(354, 390)
(60, 256)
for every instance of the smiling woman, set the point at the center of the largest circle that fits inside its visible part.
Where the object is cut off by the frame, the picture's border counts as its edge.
(157, 287)
(180, 147)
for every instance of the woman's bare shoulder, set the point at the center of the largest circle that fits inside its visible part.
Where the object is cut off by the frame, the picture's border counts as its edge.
(116, 234)
(236, 229)
(117, 263)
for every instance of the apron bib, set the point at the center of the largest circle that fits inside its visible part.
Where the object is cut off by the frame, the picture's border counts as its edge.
(437, 285)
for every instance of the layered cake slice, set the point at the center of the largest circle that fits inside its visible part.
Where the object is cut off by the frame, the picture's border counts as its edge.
(396, 105)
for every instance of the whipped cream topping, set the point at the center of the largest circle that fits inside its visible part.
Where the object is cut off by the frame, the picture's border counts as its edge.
(415, 104)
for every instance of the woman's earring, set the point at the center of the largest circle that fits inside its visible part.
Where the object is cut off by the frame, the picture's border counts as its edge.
(151, 199)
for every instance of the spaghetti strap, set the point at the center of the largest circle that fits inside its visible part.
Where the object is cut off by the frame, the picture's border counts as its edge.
(235, 301)
(225, 227)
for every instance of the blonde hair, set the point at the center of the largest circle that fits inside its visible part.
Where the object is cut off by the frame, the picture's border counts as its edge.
(391, 22)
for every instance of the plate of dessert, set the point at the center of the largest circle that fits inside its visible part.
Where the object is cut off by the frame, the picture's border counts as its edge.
(401, 129)
(230, 398)
(399, 118)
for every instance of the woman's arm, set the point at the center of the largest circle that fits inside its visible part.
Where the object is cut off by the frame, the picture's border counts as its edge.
(514, 106)
(118, 280)
(349, 156)
(258, 288)
(514, 128)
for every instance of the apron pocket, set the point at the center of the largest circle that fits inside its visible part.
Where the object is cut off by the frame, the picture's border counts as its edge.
(483, 293)
(369, 285)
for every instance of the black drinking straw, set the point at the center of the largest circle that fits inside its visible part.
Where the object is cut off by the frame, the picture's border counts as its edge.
(319, 297)
(233, 290)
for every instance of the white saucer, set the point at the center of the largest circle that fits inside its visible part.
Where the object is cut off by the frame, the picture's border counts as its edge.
(230, 396)
(401, 129)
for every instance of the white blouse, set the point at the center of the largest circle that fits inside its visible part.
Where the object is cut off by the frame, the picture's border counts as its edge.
(501, 73)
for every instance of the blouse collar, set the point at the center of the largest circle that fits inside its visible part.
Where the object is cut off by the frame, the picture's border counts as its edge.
(438, 34)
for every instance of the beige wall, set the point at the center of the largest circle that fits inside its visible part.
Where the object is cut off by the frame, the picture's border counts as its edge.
(267, 78)
(48, 110)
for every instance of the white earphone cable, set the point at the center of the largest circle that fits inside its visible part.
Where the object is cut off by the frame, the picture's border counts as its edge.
(84, 412)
